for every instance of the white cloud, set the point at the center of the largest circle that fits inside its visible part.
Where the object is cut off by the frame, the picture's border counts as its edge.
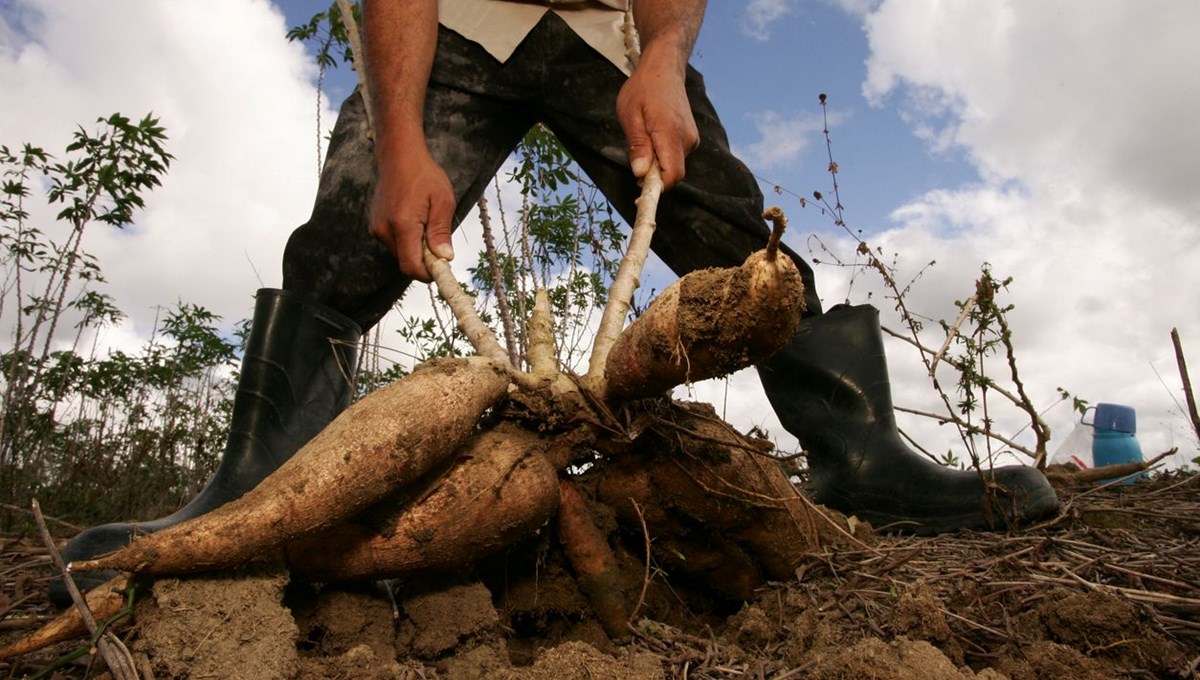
(857, 7)
(1064, 91)
(1077, 116)
(238, 104)
(782, 139)
(760, 14)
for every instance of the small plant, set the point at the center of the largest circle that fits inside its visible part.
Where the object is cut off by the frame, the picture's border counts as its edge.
(980, 333)
(1078, 405)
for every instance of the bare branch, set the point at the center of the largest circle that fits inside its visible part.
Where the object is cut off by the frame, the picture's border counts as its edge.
(969, 428)
(966, 312)
(506, 318)
(1187, 382)
(628, 278)
(119, 661)
(356, 49)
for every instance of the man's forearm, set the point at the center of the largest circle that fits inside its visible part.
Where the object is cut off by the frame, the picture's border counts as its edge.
(401, 38)
(413, 202)
(668, 28)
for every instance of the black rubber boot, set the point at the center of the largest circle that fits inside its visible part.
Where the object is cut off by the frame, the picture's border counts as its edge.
(830, 389)
(297, 376)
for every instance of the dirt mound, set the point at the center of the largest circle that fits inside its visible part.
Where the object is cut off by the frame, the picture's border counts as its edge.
(185, 627)
(1109, 589)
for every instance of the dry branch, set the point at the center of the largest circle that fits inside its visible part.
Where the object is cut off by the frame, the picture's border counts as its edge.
(1107, 472)
(356, 49)
(115, 654)
(1188, 395)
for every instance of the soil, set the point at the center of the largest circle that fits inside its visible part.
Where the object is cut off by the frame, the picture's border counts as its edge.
(1109, 589)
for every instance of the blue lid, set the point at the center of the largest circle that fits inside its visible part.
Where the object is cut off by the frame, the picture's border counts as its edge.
(1115, 417)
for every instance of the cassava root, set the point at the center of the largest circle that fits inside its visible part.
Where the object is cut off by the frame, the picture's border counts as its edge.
(381, 443)
(501, 488)
(707, 324)
(104, 602)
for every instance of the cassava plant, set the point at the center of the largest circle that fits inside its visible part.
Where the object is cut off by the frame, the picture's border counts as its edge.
(464, 456)
(98, 434)
(498, 436)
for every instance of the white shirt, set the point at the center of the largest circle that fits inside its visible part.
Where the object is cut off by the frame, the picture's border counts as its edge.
(500, 25)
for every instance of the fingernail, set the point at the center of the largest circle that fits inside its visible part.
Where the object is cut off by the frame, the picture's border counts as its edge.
(641, 166)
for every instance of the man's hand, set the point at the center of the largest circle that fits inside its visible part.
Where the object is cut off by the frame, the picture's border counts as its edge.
(413, 205)
(653, 106)
(414, 201)
(657, 119)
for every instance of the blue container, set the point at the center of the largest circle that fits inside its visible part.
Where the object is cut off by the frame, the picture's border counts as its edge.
(1115, 440)
(1115, 417)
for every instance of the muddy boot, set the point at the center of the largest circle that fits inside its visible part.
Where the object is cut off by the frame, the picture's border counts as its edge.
(296, 377)
(830, 388)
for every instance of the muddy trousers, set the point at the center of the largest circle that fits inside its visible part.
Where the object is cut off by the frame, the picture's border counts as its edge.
(477, 110)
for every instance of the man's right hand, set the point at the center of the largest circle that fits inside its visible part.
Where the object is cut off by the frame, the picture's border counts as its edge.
(413, 205)
(414, 200)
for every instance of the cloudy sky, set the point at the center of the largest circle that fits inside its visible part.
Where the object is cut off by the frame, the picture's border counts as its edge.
(1053, 139)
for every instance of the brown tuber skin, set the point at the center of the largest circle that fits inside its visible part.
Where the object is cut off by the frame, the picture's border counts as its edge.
(502, 489)
(707, 324)
(592, 560)
(104, 602)
(379, 444)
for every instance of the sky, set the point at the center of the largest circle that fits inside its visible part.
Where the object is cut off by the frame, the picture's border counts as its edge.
(1053, 140)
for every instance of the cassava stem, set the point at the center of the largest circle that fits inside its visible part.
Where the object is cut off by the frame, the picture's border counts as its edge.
(478, 334)
(620, 294)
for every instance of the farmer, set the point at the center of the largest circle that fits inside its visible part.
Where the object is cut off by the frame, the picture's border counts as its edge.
(455, 85)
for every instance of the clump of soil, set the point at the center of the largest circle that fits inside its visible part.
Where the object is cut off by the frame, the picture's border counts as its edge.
(455, 629)
(219, 626)
(573, 660)
(333, 622)
(900, 659)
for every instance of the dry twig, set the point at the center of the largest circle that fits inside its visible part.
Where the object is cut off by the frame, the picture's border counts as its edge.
(120, 662)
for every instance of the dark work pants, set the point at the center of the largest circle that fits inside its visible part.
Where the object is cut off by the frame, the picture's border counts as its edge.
(476, 111)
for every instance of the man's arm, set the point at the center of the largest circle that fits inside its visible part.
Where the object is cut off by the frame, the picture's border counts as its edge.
(413, 197)
(653, 106)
